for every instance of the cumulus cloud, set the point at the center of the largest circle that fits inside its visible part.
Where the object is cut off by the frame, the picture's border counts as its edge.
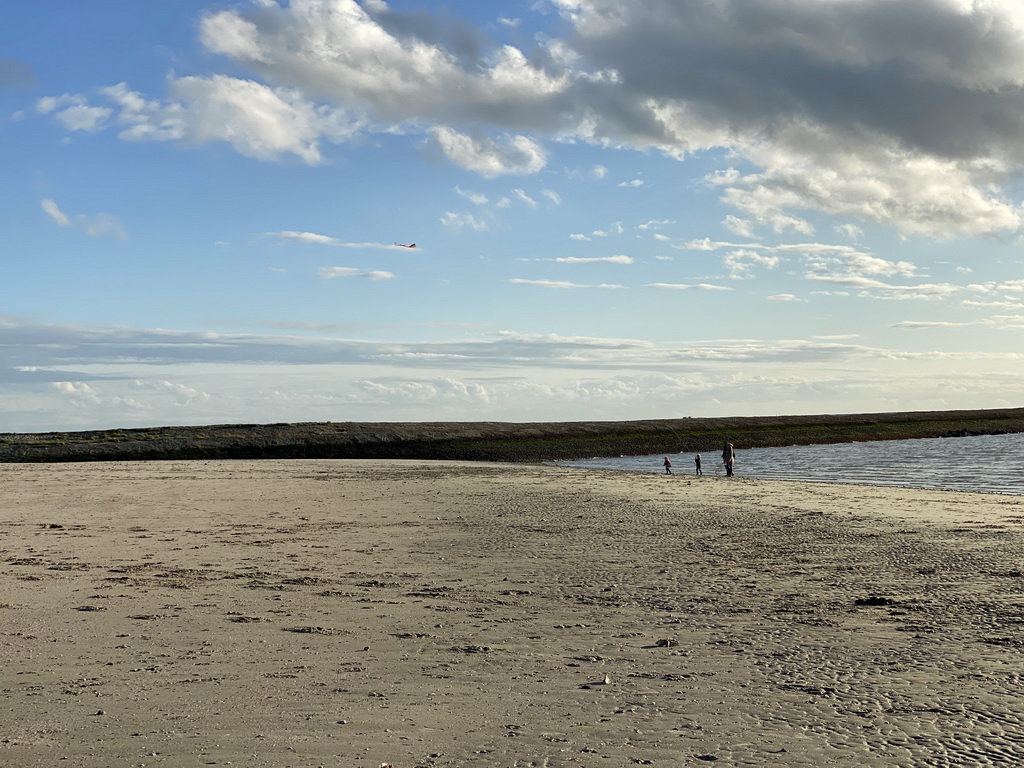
(255, 119)
(73, 112)
(514, 155)
(738, 226)
(740, 263)
(851, 231)
(909, 115)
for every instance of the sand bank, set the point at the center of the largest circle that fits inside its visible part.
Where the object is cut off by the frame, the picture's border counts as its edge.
(347, 613)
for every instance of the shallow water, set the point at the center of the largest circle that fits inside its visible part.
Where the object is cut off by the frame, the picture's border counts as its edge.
(983, 464)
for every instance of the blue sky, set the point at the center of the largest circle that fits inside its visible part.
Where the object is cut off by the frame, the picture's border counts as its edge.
(622, 210)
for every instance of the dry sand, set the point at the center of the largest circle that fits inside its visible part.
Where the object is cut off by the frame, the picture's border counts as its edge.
(347, 613)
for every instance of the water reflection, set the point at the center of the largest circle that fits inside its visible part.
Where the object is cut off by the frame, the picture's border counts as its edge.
(985, 464)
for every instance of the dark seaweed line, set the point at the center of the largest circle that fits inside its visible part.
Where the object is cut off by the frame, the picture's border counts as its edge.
(494, 441)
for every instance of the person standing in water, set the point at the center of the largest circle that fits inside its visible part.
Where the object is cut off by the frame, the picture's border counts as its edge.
(728, 457)
(696, 461)
(668, 466)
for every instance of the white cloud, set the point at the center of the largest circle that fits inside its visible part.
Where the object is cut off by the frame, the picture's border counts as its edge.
(995, 322)
(872, 287)
(558, 283)
(459, 221)
(738, 226)
(304, 237)
(318, 239)
(256, 120)
(73, 112)
(551, 195)
(525, 197)
(740, 263)
(75, 388)
(54, 212)
(99, 225)
(182, 393)
(330, 273)
(904, 115)
(859, 264)
(618, 259)
(598, 172)
(83, 118)
(633, 183)
(993, 304)
(851, 231)
(655, 224)
(515, 155)
(615, 229)
(138, 376)
(688, 286)
(473, 197)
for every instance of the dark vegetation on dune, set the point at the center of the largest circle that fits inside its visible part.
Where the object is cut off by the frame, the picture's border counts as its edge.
(495, 441)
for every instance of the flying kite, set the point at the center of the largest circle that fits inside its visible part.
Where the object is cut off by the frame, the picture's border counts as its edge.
(403, 245)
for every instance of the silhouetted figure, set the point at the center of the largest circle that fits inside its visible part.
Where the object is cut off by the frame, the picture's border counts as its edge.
(696, 461)
(728, 457)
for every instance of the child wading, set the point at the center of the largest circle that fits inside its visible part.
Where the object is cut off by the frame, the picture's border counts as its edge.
(696, 461)
(668, 466)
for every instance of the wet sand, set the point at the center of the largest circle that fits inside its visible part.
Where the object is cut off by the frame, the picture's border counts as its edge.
(354, 613)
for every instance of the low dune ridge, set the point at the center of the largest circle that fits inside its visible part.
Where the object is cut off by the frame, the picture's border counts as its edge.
(443, 614)
(493, 440)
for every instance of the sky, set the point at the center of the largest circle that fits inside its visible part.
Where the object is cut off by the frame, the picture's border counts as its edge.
(622, 209)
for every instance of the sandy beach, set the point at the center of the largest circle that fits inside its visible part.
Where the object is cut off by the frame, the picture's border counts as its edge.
(429, 614)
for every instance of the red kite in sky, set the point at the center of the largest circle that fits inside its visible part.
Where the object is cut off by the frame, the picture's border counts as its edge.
(403, 245)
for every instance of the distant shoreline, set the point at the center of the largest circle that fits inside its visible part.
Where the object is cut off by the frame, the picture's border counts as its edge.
(495, 441)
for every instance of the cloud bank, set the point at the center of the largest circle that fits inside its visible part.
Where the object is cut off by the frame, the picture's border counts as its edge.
(906, 114)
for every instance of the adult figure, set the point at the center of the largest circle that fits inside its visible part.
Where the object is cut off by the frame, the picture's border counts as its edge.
(728, 457)
(696, 461)
(668, 466)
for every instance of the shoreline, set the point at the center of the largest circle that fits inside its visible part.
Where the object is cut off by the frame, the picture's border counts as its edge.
(443, 614)
(496, 441)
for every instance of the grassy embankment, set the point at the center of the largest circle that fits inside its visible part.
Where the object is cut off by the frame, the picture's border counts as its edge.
(494, 441)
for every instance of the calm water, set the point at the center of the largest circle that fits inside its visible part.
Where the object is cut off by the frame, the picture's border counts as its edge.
(984, 464)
